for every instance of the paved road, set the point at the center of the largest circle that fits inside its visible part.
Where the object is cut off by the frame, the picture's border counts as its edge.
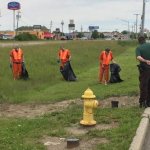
(146, 145)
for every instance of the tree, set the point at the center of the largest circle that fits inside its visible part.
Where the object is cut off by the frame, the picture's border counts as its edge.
(80, 35)
(95, 34)
(124, 32)
(101, 35)
(133, 35)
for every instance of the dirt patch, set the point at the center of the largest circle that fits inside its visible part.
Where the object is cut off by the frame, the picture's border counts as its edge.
(78, 130)
(33, 110)
(55, 143)
(124, 101)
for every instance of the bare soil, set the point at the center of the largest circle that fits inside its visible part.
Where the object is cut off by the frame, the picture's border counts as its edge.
(55, 143)
(33, 110)
(76, 130)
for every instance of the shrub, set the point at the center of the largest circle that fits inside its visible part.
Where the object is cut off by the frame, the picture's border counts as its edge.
(26, 37)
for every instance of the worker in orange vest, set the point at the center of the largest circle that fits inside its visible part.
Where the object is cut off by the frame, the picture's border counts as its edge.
(16, 60)
(64, 56)
(105, 58)
(66, 70)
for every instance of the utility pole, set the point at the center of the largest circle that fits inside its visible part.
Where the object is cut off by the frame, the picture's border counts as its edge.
(51, 23)
(0, 15)
(62, 24)
(18, 16)
(81, 29)
(143, 19)
(133, 28)
(136, 23)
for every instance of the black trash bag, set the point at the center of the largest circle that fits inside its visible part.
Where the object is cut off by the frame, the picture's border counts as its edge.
(24, 74)
(115, 77)
(67, 72)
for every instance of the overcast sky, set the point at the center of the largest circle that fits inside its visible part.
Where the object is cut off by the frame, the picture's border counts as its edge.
(107, 14)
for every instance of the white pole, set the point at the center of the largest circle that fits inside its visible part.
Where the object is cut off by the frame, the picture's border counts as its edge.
(14, 22)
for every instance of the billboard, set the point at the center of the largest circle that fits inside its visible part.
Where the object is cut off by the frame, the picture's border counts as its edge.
(57, 30)
(71, 26)
(92, 28)
(13, 5)
(37, 27)
(71, 21)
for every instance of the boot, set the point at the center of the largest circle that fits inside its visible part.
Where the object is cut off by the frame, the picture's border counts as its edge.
(148, 103)
(143, 104)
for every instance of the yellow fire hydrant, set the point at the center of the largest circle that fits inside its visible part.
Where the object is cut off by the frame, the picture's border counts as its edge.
(89, 104)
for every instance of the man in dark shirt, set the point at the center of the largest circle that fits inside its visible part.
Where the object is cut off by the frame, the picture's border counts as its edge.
(143, 55)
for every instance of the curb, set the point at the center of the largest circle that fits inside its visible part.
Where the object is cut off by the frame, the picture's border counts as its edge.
(141, 131)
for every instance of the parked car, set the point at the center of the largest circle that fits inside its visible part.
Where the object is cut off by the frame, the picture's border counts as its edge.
(6, 36)
(63, 38)
(84, 38)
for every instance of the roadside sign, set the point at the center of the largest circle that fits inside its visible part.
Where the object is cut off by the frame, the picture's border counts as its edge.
(13, 5)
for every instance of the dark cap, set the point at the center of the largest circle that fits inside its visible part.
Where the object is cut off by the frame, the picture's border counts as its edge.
(141, 39)
(107, 49)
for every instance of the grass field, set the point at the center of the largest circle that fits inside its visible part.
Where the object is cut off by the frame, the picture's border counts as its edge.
(46, 86)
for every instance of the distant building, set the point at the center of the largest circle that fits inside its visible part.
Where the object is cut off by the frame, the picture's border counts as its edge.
(40, 34)
(115, 36)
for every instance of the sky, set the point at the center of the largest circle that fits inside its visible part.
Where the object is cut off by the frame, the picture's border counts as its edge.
(109, 15)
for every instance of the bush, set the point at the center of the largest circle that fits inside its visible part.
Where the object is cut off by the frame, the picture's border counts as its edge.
(26, 37)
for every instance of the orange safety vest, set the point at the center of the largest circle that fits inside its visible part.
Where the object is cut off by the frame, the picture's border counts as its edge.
(64, 55)
(106, 58)
(17, 56)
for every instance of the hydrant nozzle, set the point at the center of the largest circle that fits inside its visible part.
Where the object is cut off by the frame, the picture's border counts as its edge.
(89, 104)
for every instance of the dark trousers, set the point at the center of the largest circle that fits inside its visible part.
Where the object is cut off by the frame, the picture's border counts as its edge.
(144, 86)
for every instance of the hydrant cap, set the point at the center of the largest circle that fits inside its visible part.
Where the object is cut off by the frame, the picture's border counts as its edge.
(88, 94)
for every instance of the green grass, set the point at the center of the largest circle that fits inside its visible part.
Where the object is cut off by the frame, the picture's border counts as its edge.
(46, 84)
(26, 134)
